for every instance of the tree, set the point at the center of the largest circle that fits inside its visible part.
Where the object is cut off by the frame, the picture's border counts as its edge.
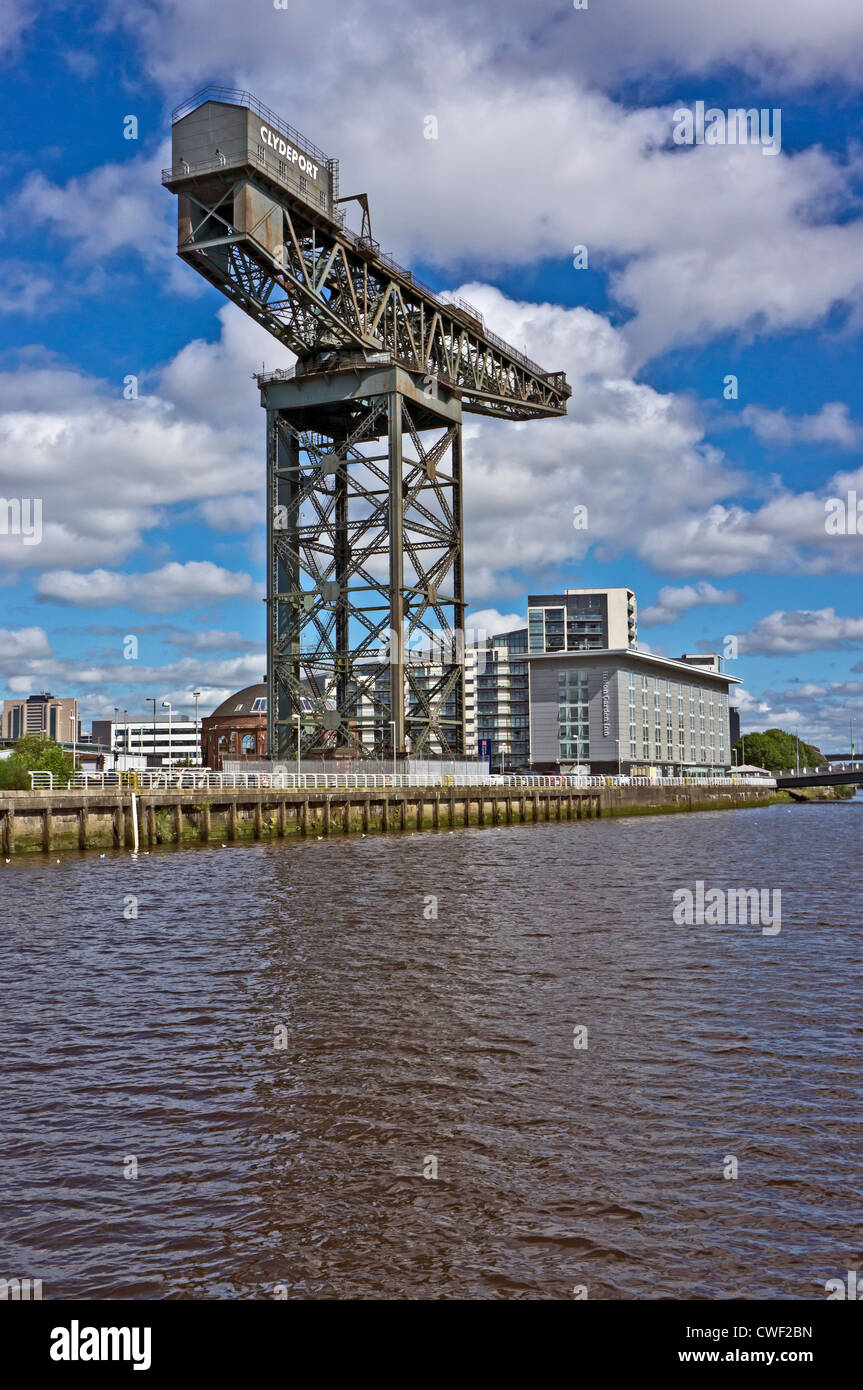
(34, 754)
(776, 750)
(13, 775)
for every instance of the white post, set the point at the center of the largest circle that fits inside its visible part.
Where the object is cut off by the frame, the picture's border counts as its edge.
(166, 704)
(197, 695)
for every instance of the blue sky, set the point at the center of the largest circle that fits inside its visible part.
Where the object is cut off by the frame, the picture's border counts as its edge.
(554, 131)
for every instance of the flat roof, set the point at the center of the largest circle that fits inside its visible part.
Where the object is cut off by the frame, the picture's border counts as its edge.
(633, 654)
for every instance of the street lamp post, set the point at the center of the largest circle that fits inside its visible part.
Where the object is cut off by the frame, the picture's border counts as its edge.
(152, 700)
(166, 704)
(197, 695)
(299, 719)
(392, 724)
(117, 721)
(74, 739)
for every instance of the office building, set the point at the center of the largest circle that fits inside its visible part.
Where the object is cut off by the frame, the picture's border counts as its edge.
(43, 715)
(162, 741)
(498, 690)
(576, 620)
(582, 620)
(628, 710)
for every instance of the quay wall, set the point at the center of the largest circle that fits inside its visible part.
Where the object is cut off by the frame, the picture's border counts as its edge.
(45, 821)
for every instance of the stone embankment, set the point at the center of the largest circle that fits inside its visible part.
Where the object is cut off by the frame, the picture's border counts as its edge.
(114, 819)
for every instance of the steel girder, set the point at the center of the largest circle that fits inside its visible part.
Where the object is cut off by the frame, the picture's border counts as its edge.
(324, 291)
(364, 563)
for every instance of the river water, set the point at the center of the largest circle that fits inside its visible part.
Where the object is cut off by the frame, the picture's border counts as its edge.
(286, 1041)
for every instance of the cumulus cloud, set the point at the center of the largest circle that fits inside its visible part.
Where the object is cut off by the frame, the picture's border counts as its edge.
(832, 424)
(108, 469)
(24, 290)
(165, 590)
(107, 210)
(488, 622)
(237, 513)
(789, 633)
(100, 687)
(672, 603)
(634, 456)
(212, 640)
(820, 713)
(23, 644)
(535, 151)
(16, 16)
(776, 37)
(532, 154)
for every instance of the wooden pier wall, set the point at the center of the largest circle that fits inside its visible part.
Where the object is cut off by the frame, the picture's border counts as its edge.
(49, 821)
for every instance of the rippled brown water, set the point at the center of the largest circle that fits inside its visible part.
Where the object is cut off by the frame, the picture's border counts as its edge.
(409, 1037)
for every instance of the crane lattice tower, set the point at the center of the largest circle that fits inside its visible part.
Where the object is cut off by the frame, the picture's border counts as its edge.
(365, 570)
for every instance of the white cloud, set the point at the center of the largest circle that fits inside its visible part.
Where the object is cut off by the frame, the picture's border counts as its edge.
(108, 469)
(165, 590)
(237, 513)
(488, 622)
(25, 290)
(533, 157)
(106, 210)
(212, 640)
(23, 644)
(787, 634)
(783, 39)
(671, 603)
(16, 16)
(832, 424)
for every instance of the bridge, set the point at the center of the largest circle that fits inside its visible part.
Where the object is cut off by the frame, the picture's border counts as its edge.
(853, 777)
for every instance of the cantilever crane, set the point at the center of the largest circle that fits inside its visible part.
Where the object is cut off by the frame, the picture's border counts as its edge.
(364, 459)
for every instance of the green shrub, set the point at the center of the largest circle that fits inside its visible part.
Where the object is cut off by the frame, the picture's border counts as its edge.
(33, 754)
(13, 775)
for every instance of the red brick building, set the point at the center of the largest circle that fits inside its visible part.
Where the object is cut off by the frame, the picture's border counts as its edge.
(237, 730)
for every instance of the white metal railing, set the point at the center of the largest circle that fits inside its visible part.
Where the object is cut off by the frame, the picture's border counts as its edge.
(196, 779)
(41, 781)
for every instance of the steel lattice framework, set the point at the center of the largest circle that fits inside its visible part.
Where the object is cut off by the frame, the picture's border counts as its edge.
(365, 546)
(364, 482)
